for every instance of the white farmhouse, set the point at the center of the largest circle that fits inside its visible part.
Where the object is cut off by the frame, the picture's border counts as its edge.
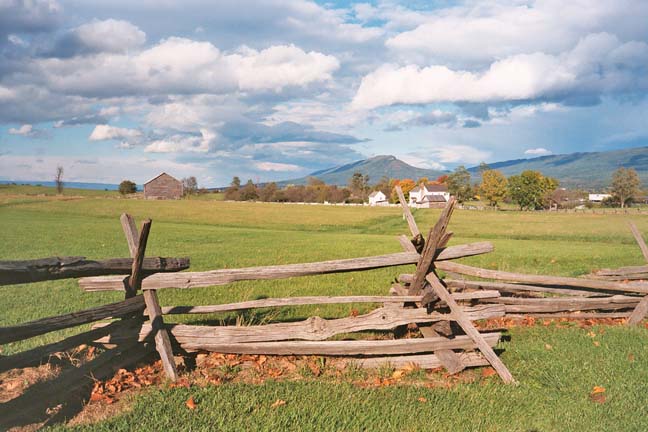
(377, 198)
(429, 196)
(593, 197)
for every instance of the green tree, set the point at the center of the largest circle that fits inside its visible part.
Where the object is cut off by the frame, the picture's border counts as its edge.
(249, 192)
(232, 192)
(268, 192)
(493, 186)
(530, 189)
(359, 185)
(625, 185)
(127, 187)
(459, 184)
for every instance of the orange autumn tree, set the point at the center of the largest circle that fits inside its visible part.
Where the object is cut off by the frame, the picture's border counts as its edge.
(406, 185)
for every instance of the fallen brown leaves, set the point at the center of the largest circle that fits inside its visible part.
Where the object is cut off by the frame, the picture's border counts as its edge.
(191, 403)
(597, 395)
(504, 322)
(108, 391)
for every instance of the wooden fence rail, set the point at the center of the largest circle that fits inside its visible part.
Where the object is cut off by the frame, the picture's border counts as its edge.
(226, 276)
(46, 325)
(27, 271)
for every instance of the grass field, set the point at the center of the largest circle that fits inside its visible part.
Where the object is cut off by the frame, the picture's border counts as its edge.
(554, 384)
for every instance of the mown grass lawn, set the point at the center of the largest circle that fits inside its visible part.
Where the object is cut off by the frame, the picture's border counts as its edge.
(555, 383)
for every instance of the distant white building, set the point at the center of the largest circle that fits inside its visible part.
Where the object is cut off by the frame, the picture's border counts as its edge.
(377, 198)
(598, 197)
(429, 196)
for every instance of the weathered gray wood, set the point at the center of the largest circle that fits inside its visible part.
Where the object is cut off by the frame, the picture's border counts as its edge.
(159, 333)
(408, 214)
(565, 304)
(424, 361)
(42, 354)
(297, 301)
(46, 325)
(543, 280)
(226, 276)
(314, 328)
(466, 324)
(519, 289)
(341, 348)
(406, 244)
(430, 250)
(622, 273)
(639, 239)
(450, 360)
(27, 271)
(130, 232)
(639, 313)
(135, 280)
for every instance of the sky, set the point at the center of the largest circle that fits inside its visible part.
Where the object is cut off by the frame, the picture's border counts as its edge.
(276, 89)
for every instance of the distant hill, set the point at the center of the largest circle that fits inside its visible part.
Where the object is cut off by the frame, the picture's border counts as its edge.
(579, 170)
(376, 167)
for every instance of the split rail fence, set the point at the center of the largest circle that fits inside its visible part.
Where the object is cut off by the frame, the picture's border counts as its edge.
(443, 309)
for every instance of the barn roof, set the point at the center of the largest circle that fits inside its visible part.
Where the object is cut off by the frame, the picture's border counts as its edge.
(160, 175)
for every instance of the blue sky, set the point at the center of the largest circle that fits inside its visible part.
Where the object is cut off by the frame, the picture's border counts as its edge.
(269, 89)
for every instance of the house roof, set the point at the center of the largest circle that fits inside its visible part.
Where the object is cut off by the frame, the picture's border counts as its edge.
(437, 187)
(374, 193)
(431, 188)
(433, 198)
(160, 175)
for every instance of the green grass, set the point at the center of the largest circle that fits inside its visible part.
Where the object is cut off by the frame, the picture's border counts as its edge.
(554, 384)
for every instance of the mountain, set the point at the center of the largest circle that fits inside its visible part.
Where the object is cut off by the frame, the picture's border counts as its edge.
(579, 170)
(375, 167)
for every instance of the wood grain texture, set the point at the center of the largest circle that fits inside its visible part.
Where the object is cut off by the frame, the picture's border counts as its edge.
(46, 325)
(341, 348)
(520, 289)
(297, 301)
(314, 328)
(565, 304)
(640, 311)
(226, 276)
(411, 223)
(639, 239)
(466, 324)
(27, 271)
(137, 247)
(429, 254)
(543, 280)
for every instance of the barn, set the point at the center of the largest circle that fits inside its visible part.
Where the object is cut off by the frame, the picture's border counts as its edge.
(163, 187)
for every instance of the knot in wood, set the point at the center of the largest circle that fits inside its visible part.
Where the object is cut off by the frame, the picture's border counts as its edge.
(317, 324)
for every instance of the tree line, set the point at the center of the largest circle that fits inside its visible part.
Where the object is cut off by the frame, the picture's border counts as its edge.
(530, 189)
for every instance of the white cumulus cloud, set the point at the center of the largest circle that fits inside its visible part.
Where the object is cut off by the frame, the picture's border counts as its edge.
(24, 130)
(106, 132)
(539, 151)
(597, 65)
(276, 166)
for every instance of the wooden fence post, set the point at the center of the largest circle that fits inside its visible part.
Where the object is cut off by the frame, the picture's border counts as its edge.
(640, 311)
(468, 327)
(448, 358)
(137, 248)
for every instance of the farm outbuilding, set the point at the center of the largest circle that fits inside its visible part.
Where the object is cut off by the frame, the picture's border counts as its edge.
(378, 198)
(163, 186)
